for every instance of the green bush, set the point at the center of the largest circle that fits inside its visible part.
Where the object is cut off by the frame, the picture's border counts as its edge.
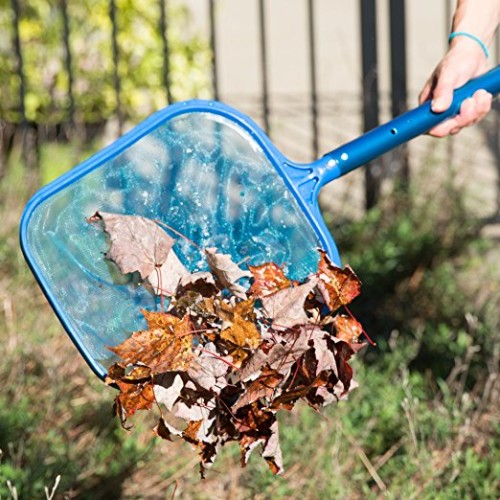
(416, 258)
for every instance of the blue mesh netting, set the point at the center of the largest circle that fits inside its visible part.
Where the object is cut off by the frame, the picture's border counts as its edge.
(200, 173)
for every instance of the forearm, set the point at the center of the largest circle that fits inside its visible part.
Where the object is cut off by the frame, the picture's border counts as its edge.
(478, 17)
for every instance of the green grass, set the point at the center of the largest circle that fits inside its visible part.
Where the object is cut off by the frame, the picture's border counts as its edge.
(422, 423)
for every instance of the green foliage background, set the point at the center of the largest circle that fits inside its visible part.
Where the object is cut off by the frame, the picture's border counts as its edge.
(140, 65)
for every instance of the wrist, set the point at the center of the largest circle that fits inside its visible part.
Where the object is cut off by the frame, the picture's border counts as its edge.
(468, 43)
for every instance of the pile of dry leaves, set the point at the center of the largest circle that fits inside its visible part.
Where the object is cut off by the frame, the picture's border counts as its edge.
(222, 358)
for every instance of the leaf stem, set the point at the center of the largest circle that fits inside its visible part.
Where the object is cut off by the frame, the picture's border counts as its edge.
(370, 341)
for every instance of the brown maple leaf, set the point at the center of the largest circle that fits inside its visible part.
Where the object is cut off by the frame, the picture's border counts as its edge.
(260, 427)
(286, 307)
(136, 389)
(137, 243)
(337, 286)
(272, 451)
(165, 346)
(263, 387)
(208, 369)
(140, 245)
(253, 418)
(343, 354)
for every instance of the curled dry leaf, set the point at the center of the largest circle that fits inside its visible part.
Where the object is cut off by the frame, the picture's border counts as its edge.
(165, 278)
(338, 286)
(227, 272)
(220, 360)
(347, 329)
(272, 450)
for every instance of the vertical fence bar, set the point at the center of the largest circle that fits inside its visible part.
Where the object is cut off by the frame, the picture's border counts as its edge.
(19, 57)
(213, 49)
(397, 22)
(67, 60)
(312, 79)
(370, 93)
(116, 76)
(263, 55)
(165, 50)
(29, 135)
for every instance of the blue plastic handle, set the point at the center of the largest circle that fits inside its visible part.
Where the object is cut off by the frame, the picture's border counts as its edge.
(405, 127)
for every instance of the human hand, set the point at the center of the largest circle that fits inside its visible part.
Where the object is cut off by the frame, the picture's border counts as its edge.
(463, 61)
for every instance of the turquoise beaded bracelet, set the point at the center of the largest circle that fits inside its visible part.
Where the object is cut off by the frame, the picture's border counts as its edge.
(472, 37)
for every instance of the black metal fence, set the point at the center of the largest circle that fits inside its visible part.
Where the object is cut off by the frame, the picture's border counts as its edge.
(16, 122)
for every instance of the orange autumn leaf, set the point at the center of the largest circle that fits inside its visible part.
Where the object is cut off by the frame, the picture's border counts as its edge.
(268, 279)
(347, 329)
(133, 397)
(244, 309)
(191, 431)
(166, 346)
(338, 286)
(242, 333)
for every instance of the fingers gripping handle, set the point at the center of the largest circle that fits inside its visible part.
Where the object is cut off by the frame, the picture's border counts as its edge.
(405, 127)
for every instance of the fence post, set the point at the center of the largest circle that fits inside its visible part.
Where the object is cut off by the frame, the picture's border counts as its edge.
(370, 94)
(67, 61)
(116, 76)
(263, 55)
(165, 50)
(213, 48)
(397, 21)
(312, 79)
